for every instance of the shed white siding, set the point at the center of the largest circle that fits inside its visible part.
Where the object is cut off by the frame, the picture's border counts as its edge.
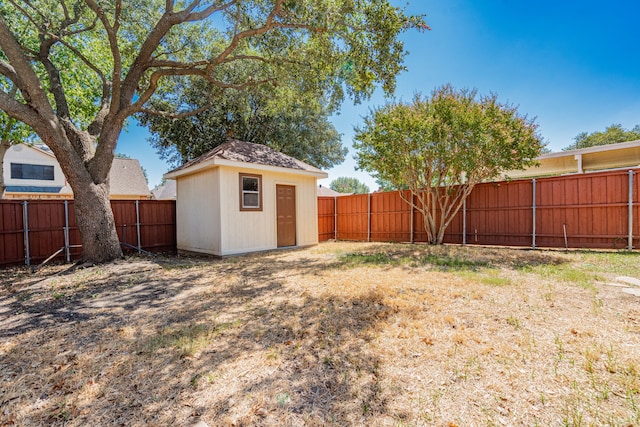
(209, 219)
(209, 216)
(198, 212)
(245, 231)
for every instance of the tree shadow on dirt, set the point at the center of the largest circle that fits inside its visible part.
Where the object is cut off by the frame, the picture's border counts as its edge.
(220, 341)
(38, 301)
(44, 299)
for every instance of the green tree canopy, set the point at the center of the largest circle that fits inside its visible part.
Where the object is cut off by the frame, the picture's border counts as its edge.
(348, 185)
(82, 68)
(611, 135)
(440, 147)
(12, 131)
(264, 115)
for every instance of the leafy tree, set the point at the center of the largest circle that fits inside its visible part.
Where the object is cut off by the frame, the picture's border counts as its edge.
(83, 67)
(348, 185)
(611, 135)
(386, 185)
(440, 147)
(11, 132)
(263, 115)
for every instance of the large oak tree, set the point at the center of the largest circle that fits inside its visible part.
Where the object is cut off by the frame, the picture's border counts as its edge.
(112, 57)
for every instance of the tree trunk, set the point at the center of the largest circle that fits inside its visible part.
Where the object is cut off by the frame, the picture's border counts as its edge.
(92, 206)
(95, 220)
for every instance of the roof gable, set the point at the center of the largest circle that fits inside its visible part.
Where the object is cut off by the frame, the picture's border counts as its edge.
(43, 150)
(126, 178)
(328, 192)
(244, 152)
(167, 191)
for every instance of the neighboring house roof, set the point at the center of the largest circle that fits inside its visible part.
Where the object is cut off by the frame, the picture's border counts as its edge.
(126, 178)
(601, 157)
(42, 149)
(327, 192)
(247, 154)
(167, 191)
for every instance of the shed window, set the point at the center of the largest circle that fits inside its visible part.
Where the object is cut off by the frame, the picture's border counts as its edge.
(250, 192)
(27, 171)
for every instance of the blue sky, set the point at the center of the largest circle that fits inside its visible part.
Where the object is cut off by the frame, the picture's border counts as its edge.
(573, 65)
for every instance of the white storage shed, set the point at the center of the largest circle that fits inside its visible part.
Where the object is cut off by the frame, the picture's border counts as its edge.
(242, 197)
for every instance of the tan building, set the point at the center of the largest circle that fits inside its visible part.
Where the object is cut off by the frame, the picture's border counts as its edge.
(602, 157)
(243, 197)
(32, 172)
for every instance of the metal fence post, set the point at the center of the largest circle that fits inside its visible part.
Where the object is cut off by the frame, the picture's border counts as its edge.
(533, 232)
(411, 220)
(138, 224)
(368, 217)
(630, 242)
(335, 218)
(66, 231)
(25, 220)
(464, 221)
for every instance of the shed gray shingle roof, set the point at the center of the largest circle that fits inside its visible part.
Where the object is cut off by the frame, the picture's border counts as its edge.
(247, 152)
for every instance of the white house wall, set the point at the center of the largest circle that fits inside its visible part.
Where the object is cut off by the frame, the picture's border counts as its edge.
(24, 154)
(246, 231)
(198, 213)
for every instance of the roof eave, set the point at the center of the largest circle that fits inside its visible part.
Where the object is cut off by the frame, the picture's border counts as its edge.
(212, 163)
(589, 150)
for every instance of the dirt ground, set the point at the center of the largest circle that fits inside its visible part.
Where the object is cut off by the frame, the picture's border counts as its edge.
(339, 334)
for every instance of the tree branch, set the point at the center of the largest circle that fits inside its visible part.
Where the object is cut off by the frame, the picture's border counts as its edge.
(237, 38)
(7, 70)
(30, 18)
(56, 89)
(20, 111)
(157, 75)
(182, 115)
(198, 16)
(65, 9)
(25, 78)
(113, 46)
(80, 30)
(158, 63)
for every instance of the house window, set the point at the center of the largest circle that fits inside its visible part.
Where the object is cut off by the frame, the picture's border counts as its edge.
(250, 192)
(27, 171)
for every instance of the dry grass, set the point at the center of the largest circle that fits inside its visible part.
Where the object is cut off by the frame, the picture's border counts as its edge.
(339, 334)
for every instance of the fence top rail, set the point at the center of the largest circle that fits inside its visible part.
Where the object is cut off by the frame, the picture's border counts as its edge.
(539, 180)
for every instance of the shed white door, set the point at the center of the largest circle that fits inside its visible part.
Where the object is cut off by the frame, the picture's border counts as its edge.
(286, 213)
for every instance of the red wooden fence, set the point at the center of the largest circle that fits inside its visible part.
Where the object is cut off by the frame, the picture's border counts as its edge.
(592, 210)
(33, 237)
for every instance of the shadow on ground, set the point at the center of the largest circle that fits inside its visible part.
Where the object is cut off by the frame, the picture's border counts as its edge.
(167, 344)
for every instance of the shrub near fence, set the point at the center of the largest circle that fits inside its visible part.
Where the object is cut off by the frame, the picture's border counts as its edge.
(592, 210)
(33, 230)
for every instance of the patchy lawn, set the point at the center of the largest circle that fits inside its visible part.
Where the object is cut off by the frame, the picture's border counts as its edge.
(339, 334)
